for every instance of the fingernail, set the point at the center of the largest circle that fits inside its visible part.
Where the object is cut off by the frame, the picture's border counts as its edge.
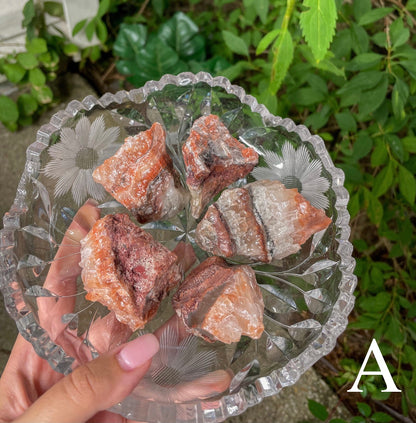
(92, 202)
(137, 352)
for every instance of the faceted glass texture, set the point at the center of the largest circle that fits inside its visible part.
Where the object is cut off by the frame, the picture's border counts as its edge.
(307, 295)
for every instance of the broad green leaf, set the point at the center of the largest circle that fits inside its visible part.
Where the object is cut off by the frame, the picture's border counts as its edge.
(90, 28)
(407, 184)
(27, 60)
(364, 409)
(379, 155)
(159, 7)
(380, 417)
(235, 43)
(282, 58)
(362, 81)
(383, 181)
(9, 112)
(375, 303)
(372, 99)
(181, 33)
(267, 40)
(37, 77)
(28, 13)
(27, 104)
(130, 39)
(262, 9)
(360, 8)
(14, 72)
(362, 145)
(399, 33)
(360, 39)
(43, 95)
(36, 46)
(399, 98)
(328, 66)
(346, 121)
(71, 49)
(374, 15)
(234, 71)
(364, 61)
(78, 27)
(306, 96)
(354, 206)
(342, 44)
(409, 144)
(318, 25)
(103, 8)
(396, 146)
(54, 8)
(318, 410)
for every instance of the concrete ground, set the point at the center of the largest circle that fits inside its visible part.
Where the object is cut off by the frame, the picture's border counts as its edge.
(290, 406)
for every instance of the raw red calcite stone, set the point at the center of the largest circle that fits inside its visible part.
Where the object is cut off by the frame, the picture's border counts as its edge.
(213, 160)
(142, 178)
(262, 221)
(126, 270)
(220, 303)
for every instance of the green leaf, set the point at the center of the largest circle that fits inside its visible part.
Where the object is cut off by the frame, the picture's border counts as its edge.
(375, 210)
(71, 49)
(372, 99)
(360, 8)
(36, 46)
(262, 9)
(374, 15)
(43, 95)
(399, 33)
(306, 96)
(90, 28)
(318, 410)
(234, 71)
(159, 7)
(27, 60)
(53, 8)
(235, 43)
(181, 33)
(380, 417)
(358, 419)
(318, 25)
(78, 27)
(28, 13)
(101, 31)
(267, 40)
(360, 39)
(364, 61)
(383, 180)
(103, 8)
(396, 146)
(407, 184)
(409, 144)
(364, 409)
(346, 121)
(130, 39)
(37, 77)
(399, 98)
(9, 113)
(362, 81)
(375, 304)
(14, 72)
(380, 154)
(282, 58)
(27, 104)
(362, 145)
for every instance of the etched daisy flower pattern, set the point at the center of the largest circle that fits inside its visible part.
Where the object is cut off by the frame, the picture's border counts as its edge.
(78, 153)
(295, 169)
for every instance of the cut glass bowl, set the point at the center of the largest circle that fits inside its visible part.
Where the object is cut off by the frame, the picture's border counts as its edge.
(307, 295)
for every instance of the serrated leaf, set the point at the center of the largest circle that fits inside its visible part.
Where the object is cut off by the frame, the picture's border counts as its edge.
(374, 15)
(27, 60)
(318, 25)
(267, 40)
(318, 410)
(181, 33)
(383, 181)
(27, 104)
(235, 43)
(130, 39)
(9, 112)
(282, 58)
(78, 27)
(14, 72)
(407, 184)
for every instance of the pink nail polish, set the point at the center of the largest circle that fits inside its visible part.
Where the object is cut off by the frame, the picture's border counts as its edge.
(137, 352)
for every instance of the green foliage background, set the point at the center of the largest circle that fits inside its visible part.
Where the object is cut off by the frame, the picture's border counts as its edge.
(346, 69)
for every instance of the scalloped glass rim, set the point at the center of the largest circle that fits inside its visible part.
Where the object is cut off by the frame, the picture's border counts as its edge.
(231, 404)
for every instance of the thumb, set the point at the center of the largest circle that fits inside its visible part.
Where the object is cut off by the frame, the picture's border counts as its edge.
(96, 386)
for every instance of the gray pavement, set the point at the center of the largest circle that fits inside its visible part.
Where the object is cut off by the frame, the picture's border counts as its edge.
(290, 406)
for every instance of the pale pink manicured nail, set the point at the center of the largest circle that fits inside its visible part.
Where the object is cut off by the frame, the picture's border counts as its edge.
(137, 352)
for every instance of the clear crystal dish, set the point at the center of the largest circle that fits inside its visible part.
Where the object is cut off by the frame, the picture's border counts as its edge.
(308, 295)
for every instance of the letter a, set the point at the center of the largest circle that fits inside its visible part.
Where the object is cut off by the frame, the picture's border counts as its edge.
(384, 371)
